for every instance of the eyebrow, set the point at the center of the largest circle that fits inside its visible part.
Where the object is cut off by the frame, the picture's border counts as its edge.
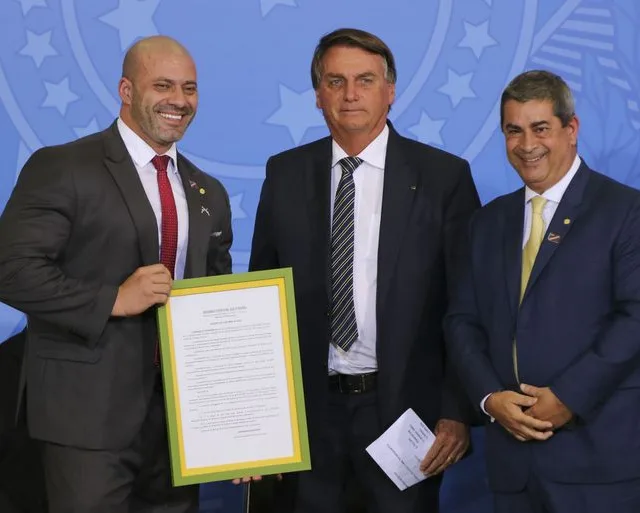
(165, 79)
(535, 124)
(360, 75)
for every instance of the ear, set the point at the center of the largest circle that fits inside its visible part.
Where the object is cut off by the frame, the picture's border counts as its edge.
(573, 127)
(125, 90)
(318, 101)
(391, 93)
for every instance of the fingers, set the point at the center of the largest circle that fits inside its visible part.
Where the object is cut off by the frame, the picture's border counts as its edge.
(147, 286)
(531, 390)
(446, 450)
(247, 479)
(532, 422)
(433, 459)
(445, 458)
(525, 401)
(154, 269)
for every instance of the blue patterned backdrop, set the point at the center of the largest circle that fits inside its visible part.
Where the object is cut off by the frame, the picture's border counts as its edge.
(60, 64)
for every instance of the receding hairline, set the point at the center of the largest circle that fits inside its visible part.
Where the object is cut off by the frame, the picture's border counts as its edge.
(148, 46)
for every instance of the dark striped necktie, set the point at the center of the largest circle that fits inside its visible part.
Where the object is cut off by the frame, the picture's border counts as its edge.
(344, 330)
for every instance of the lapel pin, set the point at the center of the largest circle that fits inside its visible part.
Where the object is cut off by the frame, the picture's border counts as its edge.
(554, 237)
(193, 184)
(413, 187)
(204, 210)
(202, 191)
(567, 220)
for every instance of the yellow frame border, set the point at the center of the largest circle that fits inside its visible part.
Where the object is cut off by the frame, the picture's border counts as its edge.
(283, 280)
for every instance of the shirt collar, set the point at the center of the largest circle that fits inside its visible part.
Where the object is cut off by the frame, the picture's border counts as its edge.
(141, 153)
(374, 154)
(556, 192)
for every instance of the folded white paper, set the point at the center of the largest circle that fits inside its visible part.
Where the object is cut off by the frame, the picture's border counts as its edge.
(401, 448)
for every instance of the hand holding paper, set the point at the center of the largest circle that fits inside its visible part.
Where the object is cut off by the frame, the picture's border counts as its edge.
(452, 441)
(400, 449)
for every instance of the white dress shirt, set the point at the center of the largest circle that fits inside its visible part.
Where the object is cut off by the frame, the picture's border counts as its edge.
(368, 180)
(141, 154)
(553, 197)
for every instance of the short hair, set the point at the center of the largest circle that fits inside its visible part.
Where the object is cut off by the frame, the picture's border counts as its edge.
(357, 39)
(540, 85)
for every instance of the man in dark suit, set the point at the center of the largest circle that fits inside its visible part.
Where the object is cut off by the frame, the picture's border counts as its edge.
(371, 224)
(90, 240)
(545, 327)
(21, 477)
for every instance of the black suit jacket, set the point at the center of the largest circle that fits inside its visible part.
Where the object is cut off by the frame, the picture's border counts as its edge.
(78, 223)
(22, 488)
(428, 198)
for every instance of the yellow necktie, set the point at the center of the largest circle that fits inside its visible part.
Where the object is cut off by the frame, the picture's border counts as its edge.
(535, 239)
(529, 257)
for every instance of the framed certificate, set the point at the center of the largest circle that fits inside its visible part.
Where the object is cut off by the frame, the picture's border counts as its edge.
(232, 379)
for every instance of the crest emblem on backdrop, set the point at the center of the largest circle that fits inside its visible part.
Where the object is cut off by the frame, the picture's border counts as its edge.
(60, 67)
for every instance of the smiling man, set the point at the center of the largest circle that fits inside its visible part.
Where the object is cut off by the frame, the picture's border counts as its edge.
(90, 241)
(544, 328)
(372, 224)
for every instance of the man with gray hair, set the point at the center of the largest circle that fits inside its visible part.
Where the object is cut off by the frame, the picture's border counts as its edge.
(372, 224)
(544, 328)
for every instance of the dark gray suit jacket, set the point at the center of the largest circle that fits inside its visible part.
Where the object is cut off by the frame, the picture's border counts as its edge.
(78, 223)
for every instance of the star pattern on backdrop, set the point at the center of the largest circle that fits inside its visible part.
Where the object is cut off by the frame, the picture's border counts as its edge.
(428, 130)
(27, 5)
(91, 128)
(237, 212)
(38, 47)
(59, 95)
(457, 87)
(297, 112)
(132, 19)
(267, 5)
(477, 38)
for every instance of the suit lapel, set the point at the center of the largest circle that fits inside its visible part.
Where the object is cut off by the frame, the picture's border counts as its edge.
(567, 212)
(318, 193)
(197, 219)
(400, 186)
(119, 164)
(513, 223)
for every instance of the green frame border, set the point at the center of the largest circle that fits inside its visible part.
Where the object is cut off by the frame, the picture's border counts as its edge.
(294, 377)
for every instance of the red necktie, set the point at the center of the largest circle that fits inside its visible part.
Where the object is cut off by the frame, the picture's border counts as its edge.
(169, 224)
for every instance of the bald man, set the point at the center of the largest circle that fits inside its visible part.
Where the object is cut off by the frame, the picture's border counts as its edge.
(90, 241)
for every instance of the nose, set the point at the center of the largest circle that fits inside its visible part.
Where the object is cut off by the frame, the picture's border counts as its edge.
(527, 141)
(178, 98)
(350, 91)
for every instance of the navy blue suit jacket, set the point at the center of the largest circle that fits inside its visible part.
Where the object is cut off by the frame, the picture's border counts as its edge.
(428, 199)
(577, 330)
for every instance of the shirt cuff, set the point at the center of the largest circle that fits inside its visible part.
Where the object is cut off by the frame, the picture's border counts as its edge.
(485, 411)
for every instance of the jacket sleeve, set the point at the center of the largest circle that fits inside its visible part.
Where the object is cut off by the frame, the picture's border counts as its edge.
(34, 230)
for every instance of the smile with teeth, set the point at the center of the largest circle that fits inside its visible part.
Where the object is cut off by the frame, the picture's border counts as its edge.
(174, 117)
(531, 160)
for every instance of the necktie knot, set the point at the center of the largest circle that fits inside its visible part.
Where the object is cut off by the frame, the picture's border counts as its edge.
(161, 162)
(537, 204)
(350, 164)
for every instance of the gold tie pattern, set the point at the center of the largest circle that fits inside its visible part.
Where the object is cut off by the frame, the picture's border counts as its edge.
(533, 244)
(529, 253)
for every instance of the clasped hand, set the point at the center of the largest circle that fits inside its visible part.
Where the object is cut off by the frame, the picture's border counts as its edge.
(533, 414)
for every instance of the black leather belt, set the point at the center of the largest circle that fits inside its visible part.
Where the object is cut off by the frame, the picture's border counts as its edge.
(353, 383)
